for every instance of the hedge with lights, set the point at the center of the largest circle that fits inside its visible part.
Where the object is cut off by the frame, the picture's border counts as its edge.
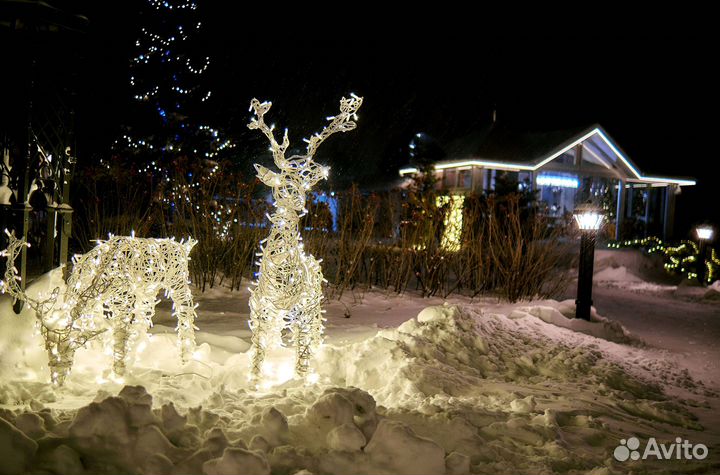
(681, 259)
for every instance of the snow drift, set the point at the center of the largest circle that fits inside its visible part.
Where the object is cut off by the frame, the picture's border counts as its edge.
(455, 390)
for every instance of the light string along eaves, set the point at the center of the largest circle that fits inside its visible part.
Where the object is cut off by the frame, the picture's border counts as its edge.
(288, 290)
(114, 286)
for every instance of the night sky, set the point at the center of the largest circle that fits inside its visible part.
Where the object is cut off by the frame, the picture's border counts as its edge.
(654, 96)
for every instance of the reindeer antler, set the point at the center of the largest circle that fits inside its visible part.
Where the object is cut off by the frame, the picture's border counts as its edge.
(338, 123)
(278, 150)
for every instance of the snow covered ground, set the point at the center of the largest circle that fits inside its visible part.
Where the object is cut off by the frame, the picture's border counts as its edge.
(406, 385)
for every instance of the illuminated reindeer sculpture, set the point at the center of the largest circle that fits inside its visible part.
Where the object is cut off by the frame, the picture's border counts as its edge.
(114, 285)
(288, 290)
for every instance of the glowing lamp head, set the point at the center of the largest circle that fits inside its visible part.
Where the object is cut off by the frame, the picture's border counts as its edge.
(588, 217)
(704, 232)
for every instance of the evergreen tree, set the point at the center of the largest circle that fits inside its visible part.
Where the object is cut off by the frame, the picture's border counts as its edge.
(169, 166)
(167, 77)
(507, 184)
(424, 153)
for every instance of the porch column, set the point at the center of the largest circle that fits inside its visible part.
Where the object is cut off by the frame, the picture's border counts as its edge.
(647, 208)
(669, 212)
(66, 230)
(620, 209)
(477, 179)
(50, 235)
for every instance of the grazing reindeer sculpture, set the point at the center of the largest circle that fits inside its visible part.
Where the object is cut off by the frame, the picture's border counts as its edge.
(114, 285)
(288, 290)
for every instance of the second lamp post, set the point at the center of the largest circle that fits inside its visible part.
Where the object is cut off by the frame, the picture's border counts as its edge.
(705, 234)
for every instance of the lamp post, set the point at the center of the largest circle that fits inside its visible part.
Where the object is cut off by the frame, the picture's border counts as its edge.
(704, 233)
(589, 219)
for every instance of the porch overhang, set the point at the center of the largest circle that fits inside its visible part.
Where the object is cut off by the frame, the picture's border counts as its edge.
(594, 140)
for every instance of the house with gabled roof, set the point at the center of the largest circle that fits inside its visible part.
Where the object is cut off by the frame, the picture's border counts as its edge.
(565, 168)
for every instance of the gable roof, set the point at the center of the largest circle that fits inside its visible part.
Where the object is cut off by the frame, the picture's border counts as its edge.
(501, 148)
(503, 144)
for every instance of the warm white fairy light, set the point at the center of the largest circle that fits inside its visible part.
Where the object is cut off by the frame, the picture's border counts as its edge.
(288, 290)
(453, 221)
(113, 286)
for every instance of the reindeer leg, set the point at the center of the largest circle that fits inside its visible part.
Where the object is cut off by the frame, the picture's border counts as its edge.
(60, 355)
(143, 312)
(122, 321)
(258, 325)
(261, 324)
(306, 330)
(184, 311)
(308, 325)
(302, 341)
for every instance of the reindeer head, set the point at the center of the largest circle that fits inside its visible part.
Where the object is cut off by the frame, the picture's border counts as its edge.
(299, 173)
(293, 181)
(43, 307)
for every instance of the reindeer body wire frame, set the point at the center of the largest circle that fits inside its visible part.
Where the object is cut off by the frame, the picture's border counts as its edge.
(114, 286)
(288, 291)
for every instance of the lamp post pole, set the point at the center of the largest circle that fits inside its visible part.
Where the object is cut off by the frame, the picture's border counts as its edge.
(589, 219)
(701, 265)
(585, 275)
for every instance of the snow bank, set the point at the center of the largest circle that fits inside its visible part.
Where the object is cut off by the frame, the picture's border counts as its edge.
(17, 450)
(451, 350)
(456, 390)
(397, 448)
(22, 351)
(621, 277)
(562, 314)
(691, 289)
(616, 274)
(637, 264)
(713, 291)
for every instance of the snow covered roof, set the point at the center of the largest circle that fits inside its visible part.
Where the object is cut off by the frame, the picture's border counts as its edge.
(504, 149)
(504, 144)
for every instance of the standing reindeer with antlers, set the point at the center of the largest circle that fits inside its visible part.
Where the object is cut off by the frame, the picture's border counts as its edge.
(288, 291)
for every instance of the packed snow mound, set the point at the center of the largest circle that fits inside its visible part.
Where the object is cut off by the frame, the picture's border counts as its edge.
(333, 431)
(622, 278)
(452, 351)
(616, 274)
(562, 314)
(456, 390)
(692, 290)
(713, 291)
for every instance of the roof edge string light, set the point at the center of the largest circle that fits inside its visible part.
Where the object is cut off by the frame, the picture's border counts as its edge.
(528, 166)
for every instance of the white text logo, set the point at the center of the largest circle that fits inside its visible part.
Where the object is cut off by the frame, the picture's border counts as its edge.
(680, 450)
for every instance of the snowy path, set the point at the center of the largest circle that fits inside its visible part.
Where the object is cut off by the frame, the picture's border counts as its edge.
(688, 328)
